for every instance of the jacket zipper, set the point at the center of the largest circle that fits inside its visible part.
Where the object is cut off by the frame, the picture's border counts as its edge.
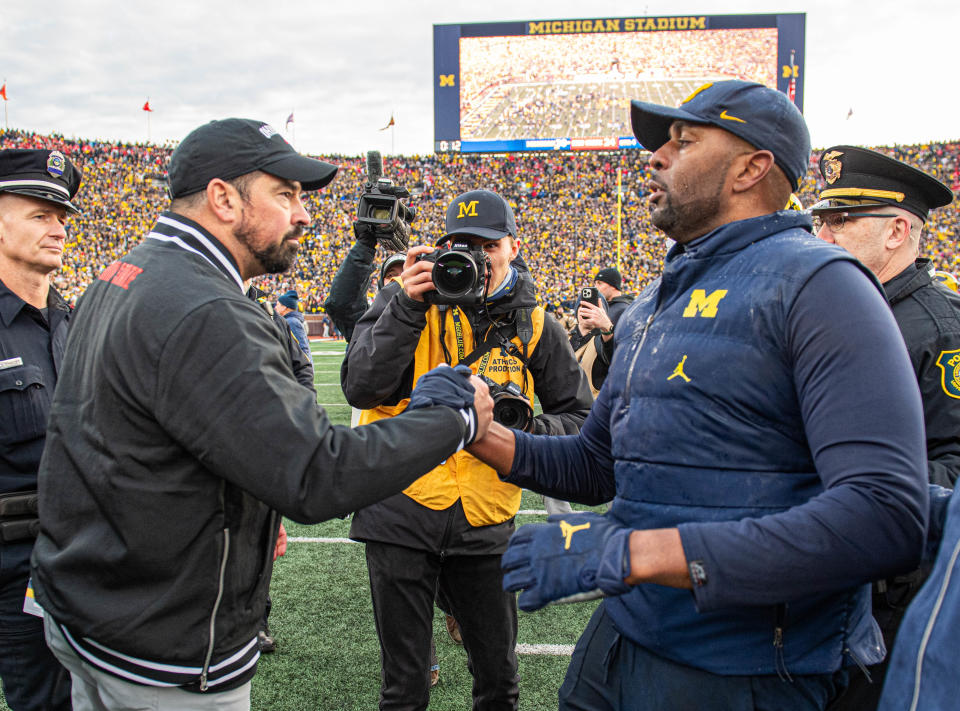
(216, 607)
(636, 354)
(779, 661)
(856, 660)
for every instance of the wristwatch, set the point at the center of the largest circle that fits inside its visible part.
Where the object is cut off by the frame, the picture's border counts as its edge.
(607, 332)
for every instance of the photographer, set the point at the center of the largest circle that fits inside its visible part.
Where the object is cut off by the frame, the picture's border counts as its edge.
(347, 300)
(445, 533)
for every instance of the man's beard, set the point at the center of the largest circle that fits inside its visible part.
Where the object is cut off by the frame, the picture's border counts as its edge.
(275, 258)
(692, 218)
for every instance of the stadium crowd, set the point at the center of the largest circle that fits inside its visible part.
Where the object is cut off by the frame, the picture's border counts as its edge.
(492, 65)
(565, 204)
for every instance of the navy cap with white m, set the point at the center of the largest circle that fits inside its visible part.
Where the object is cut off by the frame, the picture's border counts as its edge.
(480, 213)
(763, 117)
(46, 175)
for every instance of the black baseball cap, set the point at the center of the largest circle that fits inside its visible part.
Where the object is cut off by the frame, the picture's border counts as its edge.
(610, 276)
(763, 117)
(859, 177)
(479, 213)
(232, 147)
(47, 175)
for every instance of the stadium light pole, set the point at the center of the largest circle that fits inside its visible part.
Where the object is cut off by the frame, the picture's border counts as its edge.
(619, 211)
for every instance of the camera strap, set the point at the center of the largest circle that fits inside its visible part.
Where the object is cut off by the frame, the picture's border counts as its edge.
(499, 336)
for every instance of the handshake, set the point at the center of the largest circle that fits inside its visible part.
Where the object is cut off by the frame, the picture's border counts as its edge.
(460, 389)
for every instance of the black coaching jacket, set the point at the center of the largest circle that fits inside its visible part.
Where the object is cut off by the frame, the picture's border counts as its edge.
(178, 435)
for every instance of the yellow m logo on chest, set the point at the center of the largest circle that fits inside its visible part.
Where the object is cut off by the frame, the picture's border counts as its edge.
(703, 305)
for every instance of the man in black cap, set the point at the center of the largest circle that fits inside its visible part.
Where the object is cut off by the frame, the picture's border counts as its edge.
(759, 475)
(179, 436)
(36, 189)
(443, 536)
(593, 339)
(875, 207)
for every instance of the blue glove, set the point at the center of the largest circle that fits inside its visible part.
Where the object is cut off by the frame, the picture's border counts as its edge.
(570, 555)
(450, 387)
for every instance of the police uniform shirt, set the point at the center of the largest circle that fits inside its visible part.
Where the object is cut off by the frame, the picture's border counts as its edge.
(928, 315)
(31, 349)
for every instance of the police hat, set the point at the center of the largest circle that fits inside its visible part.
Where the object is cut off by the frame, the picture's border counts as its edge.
(858, 177)
(480, 213)
(763, 117)
(47, 175)
(233, 147)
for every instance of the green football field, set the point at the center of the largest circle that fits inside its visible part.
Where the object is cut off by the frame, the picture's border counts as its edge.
(327, 655)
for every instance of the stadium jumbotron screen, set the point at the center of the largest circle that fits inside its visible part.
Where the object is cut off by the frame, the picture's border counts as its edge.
(566, 84)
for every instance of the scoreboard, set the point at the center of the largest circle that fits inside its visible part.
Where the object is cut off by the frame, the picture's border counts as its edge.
(546, 85)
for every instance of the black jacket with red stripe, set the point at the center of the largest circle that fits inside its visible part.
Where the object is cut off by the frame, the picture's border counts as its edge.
(178, 435)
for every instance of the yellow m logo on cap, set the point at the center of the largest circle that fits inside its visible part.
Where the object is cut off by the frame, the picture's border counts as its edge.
(468, 209)
(446, 80)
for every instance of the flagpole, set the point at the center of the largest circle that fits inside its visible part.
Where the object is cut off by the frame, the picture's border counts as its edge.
(147, 112)
(6, 123)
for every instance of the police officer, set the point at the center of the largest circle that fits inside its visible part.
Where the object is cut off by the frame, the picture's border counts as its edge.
(36, 187)
(875, 207)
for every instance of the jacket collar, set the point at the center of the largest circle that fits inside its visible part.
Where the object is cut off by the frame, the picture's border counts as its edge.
(915, 276)
(11, 304)
(734, 236)
(188, 235)
(522, 294)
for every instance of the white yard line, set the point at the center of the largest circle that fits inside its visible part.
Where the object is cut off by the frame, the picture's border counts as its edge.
(550, 650)
(307, 539)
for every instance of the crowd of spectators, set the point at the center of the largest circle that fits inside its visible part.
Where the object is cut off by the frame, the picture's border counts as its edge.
(492, 66)
(565, 204)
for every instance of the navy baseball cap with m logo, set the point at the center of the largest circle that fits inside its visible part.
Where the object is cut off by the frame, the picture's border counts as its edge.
(479, 213)
(763, 117)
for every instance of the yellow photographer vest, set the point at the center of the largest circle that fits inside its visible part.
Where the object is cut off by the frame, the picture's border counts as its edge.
(486, 499)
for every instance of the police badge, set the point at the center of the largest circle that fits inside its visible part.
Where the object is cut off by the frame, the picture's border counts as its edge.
(832, 166)
(949, 364)
(56, 162)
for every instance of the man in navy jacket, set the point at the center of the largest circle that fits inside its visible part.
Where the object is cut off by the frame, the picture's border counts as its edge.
(760, 432)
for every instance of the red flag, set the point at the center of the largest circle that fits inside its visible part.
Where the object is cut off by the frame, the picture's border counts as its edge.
(3, 91)
(390, 123)
(146, 106)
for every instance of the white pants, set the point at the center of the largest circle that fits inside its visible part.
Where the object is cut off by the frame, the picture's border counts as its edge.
(94, 690)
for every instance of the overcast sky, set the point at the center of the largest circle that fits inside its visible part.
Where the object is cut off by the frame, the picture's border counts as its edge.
(85, 67)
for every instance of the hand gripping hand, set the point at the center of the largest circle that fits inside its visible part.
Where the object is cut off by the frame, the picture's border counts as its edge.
(570, 555)
(454, 388)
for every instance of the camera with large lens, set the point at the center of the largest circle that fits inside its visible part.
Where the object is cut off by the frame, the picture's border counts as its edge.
(459, 274)
(382, 208)
(510, 407)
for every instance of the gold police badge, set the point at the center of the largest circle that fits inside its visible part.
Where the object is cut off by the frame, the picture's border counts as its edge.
(56, 162)
(949, 364)
(832, 166)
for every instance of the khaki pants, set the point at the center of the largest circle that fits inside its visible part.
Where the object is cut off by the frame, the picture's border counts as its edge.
(94, 690)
